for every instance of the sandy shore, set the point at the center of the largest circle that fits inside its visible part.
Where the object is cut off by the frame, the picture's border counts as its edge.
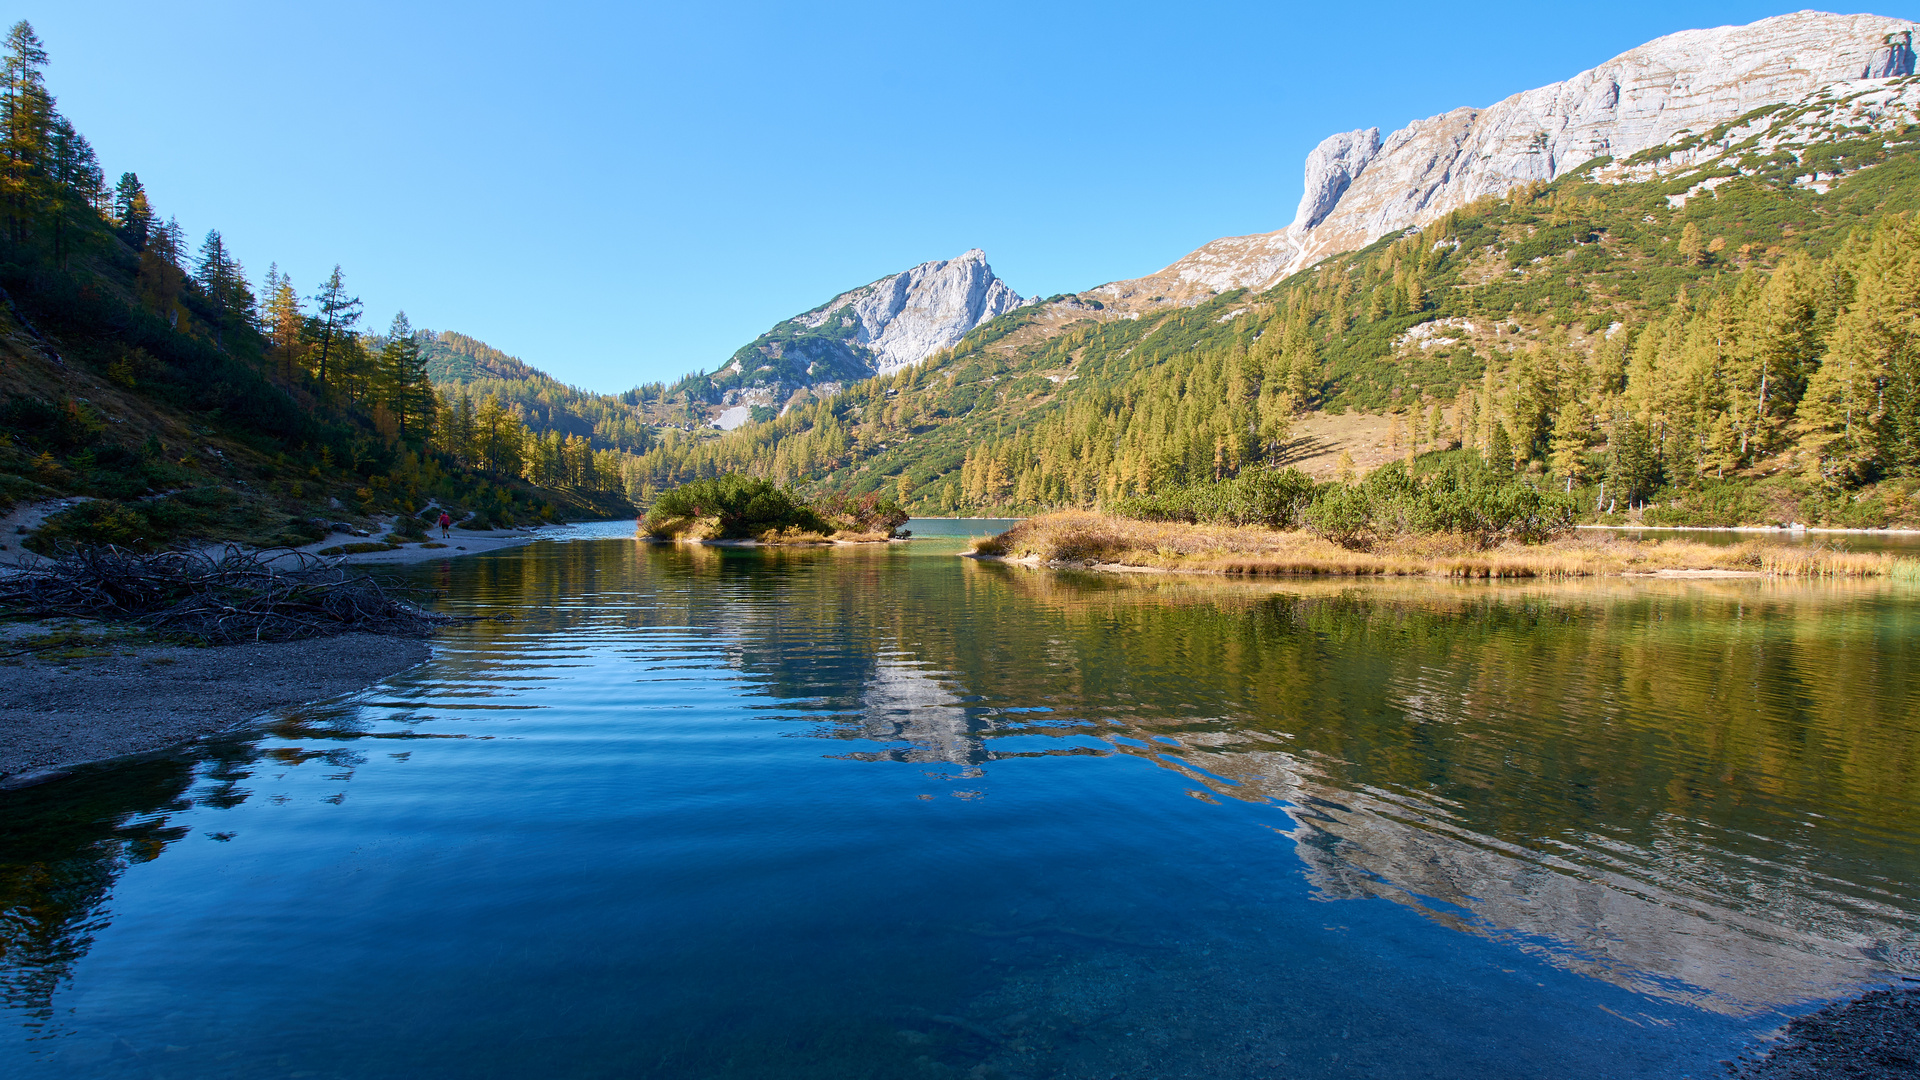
(121, 697)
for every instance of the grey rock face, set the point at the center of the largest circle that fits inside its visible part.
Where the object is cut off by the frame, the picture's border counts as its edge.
(877, 329)
(1331, 169)
(1891, 60)
(905, 318)
(1682, 83)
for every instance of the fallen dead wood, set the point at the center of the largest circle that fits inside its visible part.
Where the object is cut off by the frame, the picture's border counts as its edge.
(231, 596)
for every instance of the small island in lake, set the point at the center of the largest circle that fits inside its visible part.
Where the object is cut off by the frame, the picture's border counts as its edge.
(741, 509)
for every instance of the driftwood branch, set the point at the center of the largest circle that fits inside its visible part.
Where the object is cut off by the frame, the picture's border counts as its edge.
(219, 598)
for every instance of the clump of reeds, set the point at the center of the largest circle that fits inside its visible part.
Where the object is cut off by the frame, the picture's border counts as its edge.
(217, 599)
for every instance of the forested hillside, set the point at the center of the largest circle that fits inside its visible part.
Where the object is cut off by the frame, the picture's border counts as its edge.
(1722, 327)
(167, 397)
(460, 365)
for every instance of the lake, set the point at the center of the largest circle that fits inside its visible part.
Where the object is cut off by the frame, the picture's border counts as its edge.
(676, 811)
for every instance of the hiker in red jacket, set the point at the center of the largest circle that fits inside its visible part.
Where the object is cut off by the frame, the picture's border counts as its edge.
(446, 522)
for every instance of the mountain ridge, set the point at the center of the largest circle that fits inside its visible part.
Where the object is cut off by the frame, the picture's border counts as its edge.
(1361, 186)
(884, 326)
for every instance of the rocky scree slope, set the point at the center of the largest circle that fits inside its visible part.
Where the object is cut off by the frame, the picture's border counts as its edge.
(1361, 186)
(877, 329)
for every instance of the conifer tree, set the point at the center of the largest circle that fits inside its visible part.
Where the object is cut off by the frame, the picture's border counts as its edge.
(76, 190)
(282, 323)
(223, 281)
(131, 212)
(402, 383)
(1692, 248)
(26, 114)
(337, 315)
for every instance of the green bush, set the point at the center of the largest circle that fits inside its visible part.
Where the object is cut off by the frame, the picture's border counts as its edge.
(45, 426)
(743, 507)
(1463, 497)
(98, 521)
(1715, 504)
(1275, 498)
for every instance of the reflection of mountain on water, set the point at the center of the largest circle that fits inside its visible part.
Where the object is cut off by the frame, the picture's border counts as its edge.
(903, 703)
(1599, 778)
(1648, 932)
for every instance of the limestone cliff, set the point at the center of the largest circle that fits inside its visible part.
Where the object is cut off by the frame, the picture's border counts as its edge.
(876, 329)
(1360, 187)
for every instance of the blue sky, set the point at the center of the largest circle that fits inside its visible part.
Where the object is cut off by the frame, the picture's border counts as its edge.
(625, 192)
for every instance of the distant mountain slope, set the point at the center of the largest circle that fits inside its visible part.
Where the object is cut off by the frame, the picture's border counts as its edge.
(1361, 186)
(1717, 329)
(876, 329)
(456, 362)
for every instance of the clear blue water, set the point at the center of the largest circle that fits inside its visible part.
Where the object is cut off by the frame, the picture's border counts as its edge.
(944, 527)
(672, 811)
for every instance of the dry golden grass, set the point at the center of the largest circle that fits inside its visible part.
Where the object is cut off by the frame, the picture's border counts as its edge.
(1090, 539)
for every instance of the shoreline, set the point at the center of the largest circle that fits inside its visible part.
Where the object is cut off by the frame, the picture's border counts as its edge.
(116, 694)
(1034, 562)
(1105, 543)
(1762, 530)
(750, 543)
(115, 697)
(1872, 1035)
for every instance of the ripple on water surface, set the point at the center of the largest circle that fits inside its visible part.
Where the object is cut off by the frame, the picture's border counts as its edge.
(674, 811)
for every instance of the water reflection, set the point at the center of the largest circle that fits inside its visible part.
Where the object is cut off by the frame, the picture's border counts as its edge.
(882, 811)
(1705, 792)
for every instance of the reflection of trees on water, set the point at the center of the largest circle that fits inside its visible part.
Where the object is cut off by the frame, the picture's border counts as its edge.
(1619, 776)
(61, 850)
(1624, 777)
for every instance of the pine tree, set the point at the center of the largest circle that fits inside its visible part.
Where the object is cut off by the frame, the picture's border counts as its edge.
(1500, 448)
(401, 381)
(131, 212)
(77, 188)
(26, 115)
(1572, 432)
(337, 315)
(223, 281)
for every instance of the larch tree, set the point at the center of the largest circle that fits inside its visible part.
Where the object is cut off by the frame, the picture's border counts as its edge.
(336, 316)
(26, 115)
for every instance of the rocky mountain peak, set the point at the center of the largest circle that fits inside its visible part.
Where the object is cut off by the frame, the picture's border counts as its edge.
(1331, 170)
(906, 317)
(1360, 187)
(876, 329)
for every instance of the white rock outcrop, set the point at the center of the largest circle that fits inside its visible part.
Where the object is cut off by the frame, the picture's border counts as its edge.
(1360, 187)
(1331, 169)
(906, 317)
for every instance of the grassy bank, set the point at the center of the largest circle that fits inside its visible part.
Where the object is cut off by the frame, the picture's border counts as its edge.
(1100, 540)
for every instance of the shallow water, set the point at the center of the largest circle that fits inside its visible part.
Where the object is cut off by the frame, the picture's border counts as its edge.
(1888, 540)
(683, 812)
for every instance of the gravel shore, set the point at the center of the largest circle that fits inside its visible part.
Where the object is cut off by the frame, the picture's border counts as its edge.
(1873, 1037)
(131, 698)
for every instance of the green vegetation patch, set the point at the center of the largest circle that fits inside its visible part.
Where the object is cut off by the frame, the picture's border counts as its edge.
(740, 507)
